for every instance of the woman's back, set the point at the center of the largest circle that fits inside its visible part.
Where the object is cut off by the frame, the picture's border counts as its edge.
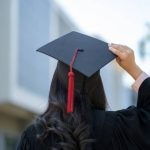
(127, 129)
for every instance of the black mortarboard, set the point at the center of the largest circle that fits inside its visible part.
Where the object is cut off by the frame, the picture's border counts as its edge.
(94, 56)
(81, 52)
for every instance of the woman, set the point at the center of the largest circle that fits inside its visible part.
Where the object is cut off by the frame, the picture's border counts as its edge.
(90, 127)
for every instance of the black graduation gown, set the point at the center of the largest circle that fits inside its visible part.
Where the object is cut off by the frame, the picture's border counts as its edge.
(127, 129)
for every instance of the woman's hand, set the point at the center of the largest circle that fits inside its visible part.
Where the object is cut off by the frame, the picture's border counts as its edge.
(126, 59)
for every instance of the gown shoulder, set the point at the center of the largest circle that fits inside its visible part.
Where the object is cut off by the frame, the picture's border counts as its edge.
(128, 129)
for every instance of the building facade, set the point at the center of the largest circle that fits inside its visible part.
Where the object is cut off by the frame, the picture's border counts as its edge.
(25, 75)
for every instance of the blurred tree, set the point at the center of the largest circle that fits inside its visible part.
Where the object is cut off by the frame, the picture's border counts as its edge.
(144, 45)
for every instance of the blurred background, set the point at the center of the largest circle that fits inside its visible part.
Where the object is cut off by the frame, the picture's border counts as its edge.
(25, 75)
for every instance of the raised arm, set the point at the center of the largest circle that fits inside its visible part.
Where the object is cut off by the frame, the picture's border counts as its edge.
(126, 59)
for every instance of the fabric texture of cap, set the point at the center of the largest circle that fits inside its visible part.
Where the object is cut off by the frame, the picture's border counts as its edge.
(94, 55)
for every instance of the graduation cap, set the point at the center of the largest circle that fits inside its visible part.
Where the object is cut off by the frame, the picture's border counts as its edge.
(83, 53)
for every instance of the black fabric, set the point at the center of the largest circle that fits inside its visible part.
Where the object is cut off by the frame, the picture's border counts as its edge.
(95, 53)
(127, 129)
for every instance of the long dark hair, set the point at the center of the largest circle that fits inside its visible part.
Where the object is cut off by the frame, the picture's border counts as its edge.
(71, 131)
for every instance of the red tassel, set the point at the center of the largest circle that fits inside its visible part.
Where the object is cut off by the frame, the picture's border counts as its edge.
(70, 92)
(70, 102)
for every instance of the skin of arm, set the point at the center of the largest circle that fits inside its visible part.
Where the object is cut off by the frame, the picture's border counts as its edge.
(126, 59)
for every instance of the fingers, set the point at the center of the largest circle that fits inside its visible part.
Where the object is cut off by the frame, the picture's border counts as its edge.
(120, 50)
(115, 51)
(120, 47)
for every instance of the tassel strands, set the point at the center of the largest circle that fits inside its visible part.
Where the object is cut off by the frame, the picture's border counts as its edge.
(70, 102)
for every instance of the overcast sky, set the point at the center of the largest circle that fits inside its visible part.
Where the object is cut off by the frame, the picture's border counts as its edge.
(121, 21)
